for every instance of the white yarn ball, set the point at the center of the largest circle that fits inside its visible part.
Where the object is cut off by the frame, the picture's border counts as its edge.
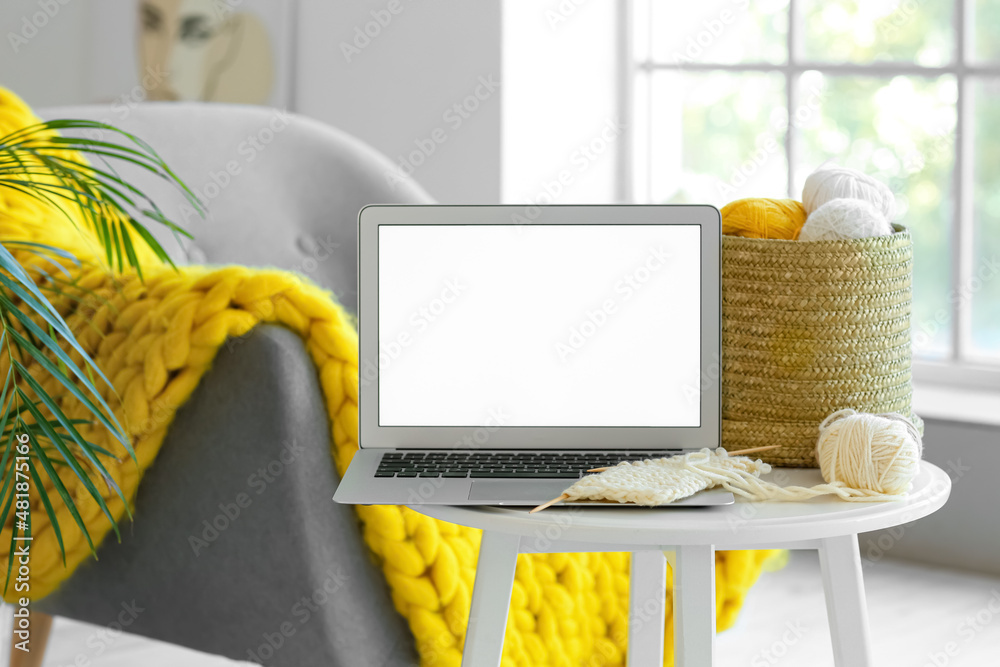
(829, 183)
(871, 452)
(844, 219)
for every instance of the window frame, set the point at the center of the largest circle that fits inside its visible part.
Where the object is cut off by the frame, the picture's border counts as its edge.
(959, 367)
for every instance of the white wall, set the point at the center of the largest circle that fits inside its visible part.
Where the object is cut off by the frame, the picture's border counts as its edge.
(561, 125)
(397, 86)
(45, 55)
(397, 90)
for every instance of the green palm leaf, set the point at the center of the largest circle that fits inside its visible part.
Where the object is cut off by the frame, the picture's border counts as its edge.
(34, 337)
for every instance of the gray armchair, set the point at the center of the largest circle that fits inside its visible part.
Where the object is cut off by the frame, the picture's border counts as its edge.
(286, 579)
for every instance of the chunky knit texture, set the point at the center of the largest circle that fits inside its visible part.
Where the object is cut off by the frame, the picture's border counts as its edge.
(156, 339)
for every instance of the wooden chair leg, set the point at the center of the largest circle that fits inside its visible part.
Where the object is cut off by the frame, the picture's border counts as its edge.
(41, 625)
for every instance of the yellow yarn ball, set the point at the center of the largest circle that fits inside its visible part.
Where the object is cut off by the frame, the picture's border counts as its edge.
(763, 218)
(878, 453)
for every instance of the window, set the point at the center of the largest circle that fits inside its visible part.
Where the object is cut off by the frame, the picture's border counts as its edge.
(732, 99)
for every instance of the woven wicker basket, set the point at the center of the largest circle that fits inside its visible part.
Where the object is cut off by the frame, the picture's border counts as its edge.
(808, 329)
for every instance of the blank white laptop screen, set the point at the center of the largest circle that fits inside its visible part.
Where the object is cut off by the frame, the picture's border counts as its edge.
(547, 325)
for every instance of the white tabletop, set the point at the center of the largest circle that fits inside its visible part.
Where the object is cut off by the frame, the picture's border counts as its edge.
(744, 524)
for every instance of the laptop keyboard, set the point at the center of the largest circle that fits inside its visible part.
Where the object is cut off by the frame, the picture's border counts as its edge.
(478, 464)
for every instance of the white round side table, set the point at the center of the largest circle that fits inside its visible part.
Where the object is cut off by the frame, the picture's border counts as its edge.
(690, 536)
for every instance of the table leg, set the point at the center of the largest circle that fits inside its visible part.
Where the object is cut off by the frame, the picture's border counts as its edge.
(844, 587)
(647, 608)
(694, 605)
(490, 600)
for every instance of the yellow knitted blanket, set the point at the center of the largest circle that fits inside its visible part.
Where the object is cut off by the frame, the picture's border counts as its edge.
(155, 339)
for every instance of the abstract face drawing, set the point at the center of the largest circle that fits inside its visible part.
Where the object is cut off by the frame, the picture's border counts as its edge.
(204, 50)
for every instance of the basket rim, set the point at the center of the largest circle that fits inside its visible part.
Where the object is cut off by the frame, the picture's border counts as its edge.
(900, 233)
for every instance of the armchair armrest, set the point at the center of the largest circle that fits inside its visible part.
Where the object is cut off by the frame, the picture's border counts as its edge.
(237, 547)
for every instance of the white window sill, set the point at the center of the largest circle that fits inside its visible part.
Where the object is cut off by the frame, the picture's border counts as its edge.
(961, 404)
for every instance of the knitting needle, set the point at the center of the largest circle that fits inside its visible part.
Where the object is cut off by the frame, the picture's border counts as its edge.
(739, 452)
(753, 450)
(552, 502)
(562, 497)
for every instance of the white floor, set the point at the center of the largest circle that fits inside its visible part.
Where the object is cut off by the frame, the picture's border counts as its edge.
(917, 613)
(920, 617)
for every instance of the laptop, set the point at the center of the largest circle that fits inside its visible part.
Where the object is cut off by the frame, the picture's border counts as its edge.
(506, 350)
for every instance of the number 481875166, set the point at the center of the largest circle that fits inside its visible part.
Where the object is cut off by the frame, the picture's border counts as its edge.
(22, 503)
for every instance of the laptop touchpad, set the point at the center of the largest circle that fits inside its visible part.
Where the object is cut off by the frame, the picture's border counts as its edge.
(513, 492)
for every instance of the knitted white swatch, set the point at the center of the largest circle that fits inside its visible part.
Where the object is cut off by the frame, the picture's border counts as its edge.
(662, 481)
